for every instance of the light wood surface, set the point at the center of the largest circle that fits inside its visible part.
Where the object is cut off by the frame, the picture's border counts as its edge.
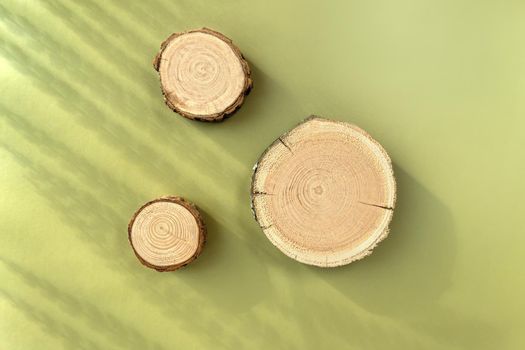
(324, 193)
(203, 74)
(167, 233)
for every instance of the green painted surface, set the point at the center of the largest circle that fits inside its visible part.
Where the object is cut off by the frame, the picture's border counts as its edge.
(85, 139)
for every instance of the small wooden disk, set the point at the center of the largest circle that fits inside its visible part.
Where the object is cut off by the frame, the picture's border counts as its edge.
(324, 193)
(203, 76)
(167, 233)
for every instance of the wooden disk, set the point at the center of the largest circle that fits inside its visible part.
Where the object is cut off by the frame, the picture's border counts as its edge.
(324, 193)
(203, 76)
(167, 233)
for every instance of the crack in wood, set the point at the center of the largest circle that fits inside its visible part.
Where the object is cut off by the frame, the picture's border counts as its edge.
(261, 193)
(284, 144)
(377, 206)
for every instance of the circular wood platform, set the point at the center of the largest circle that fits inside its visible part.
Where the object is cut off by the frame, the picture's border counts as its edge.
(324, 193)
(203, 74)
(167, 233)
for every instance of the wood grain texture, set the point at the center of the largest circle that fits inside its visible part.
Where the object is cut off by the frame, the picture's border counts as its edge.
(203, 75)
(167, 233)
(324, 193)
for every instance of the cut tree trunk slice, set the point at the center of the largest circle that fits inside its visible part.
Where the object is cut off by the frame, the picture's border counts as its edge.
(324, 193)
(203, 76)
(167, 233)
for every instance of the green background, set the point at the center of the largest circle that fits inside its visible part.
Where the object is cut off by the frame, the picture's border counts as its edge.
(86, 139)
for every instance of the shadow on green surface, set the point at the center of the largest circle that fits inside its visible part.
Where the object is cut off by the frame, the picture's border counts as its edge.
(68, 335)
(97, 319)
(128, 63)
(410, 271)
(421, 233)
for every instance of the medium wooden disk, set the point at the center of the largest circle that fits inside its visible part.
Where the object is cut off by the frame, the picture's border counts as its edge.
(167, 233)
(203, 75)
(324, 193)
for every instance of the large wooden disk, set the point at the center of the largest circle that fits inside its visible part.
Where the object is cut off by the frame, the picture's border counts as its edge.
(203, 75)
(167, 233)
(324, 193)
